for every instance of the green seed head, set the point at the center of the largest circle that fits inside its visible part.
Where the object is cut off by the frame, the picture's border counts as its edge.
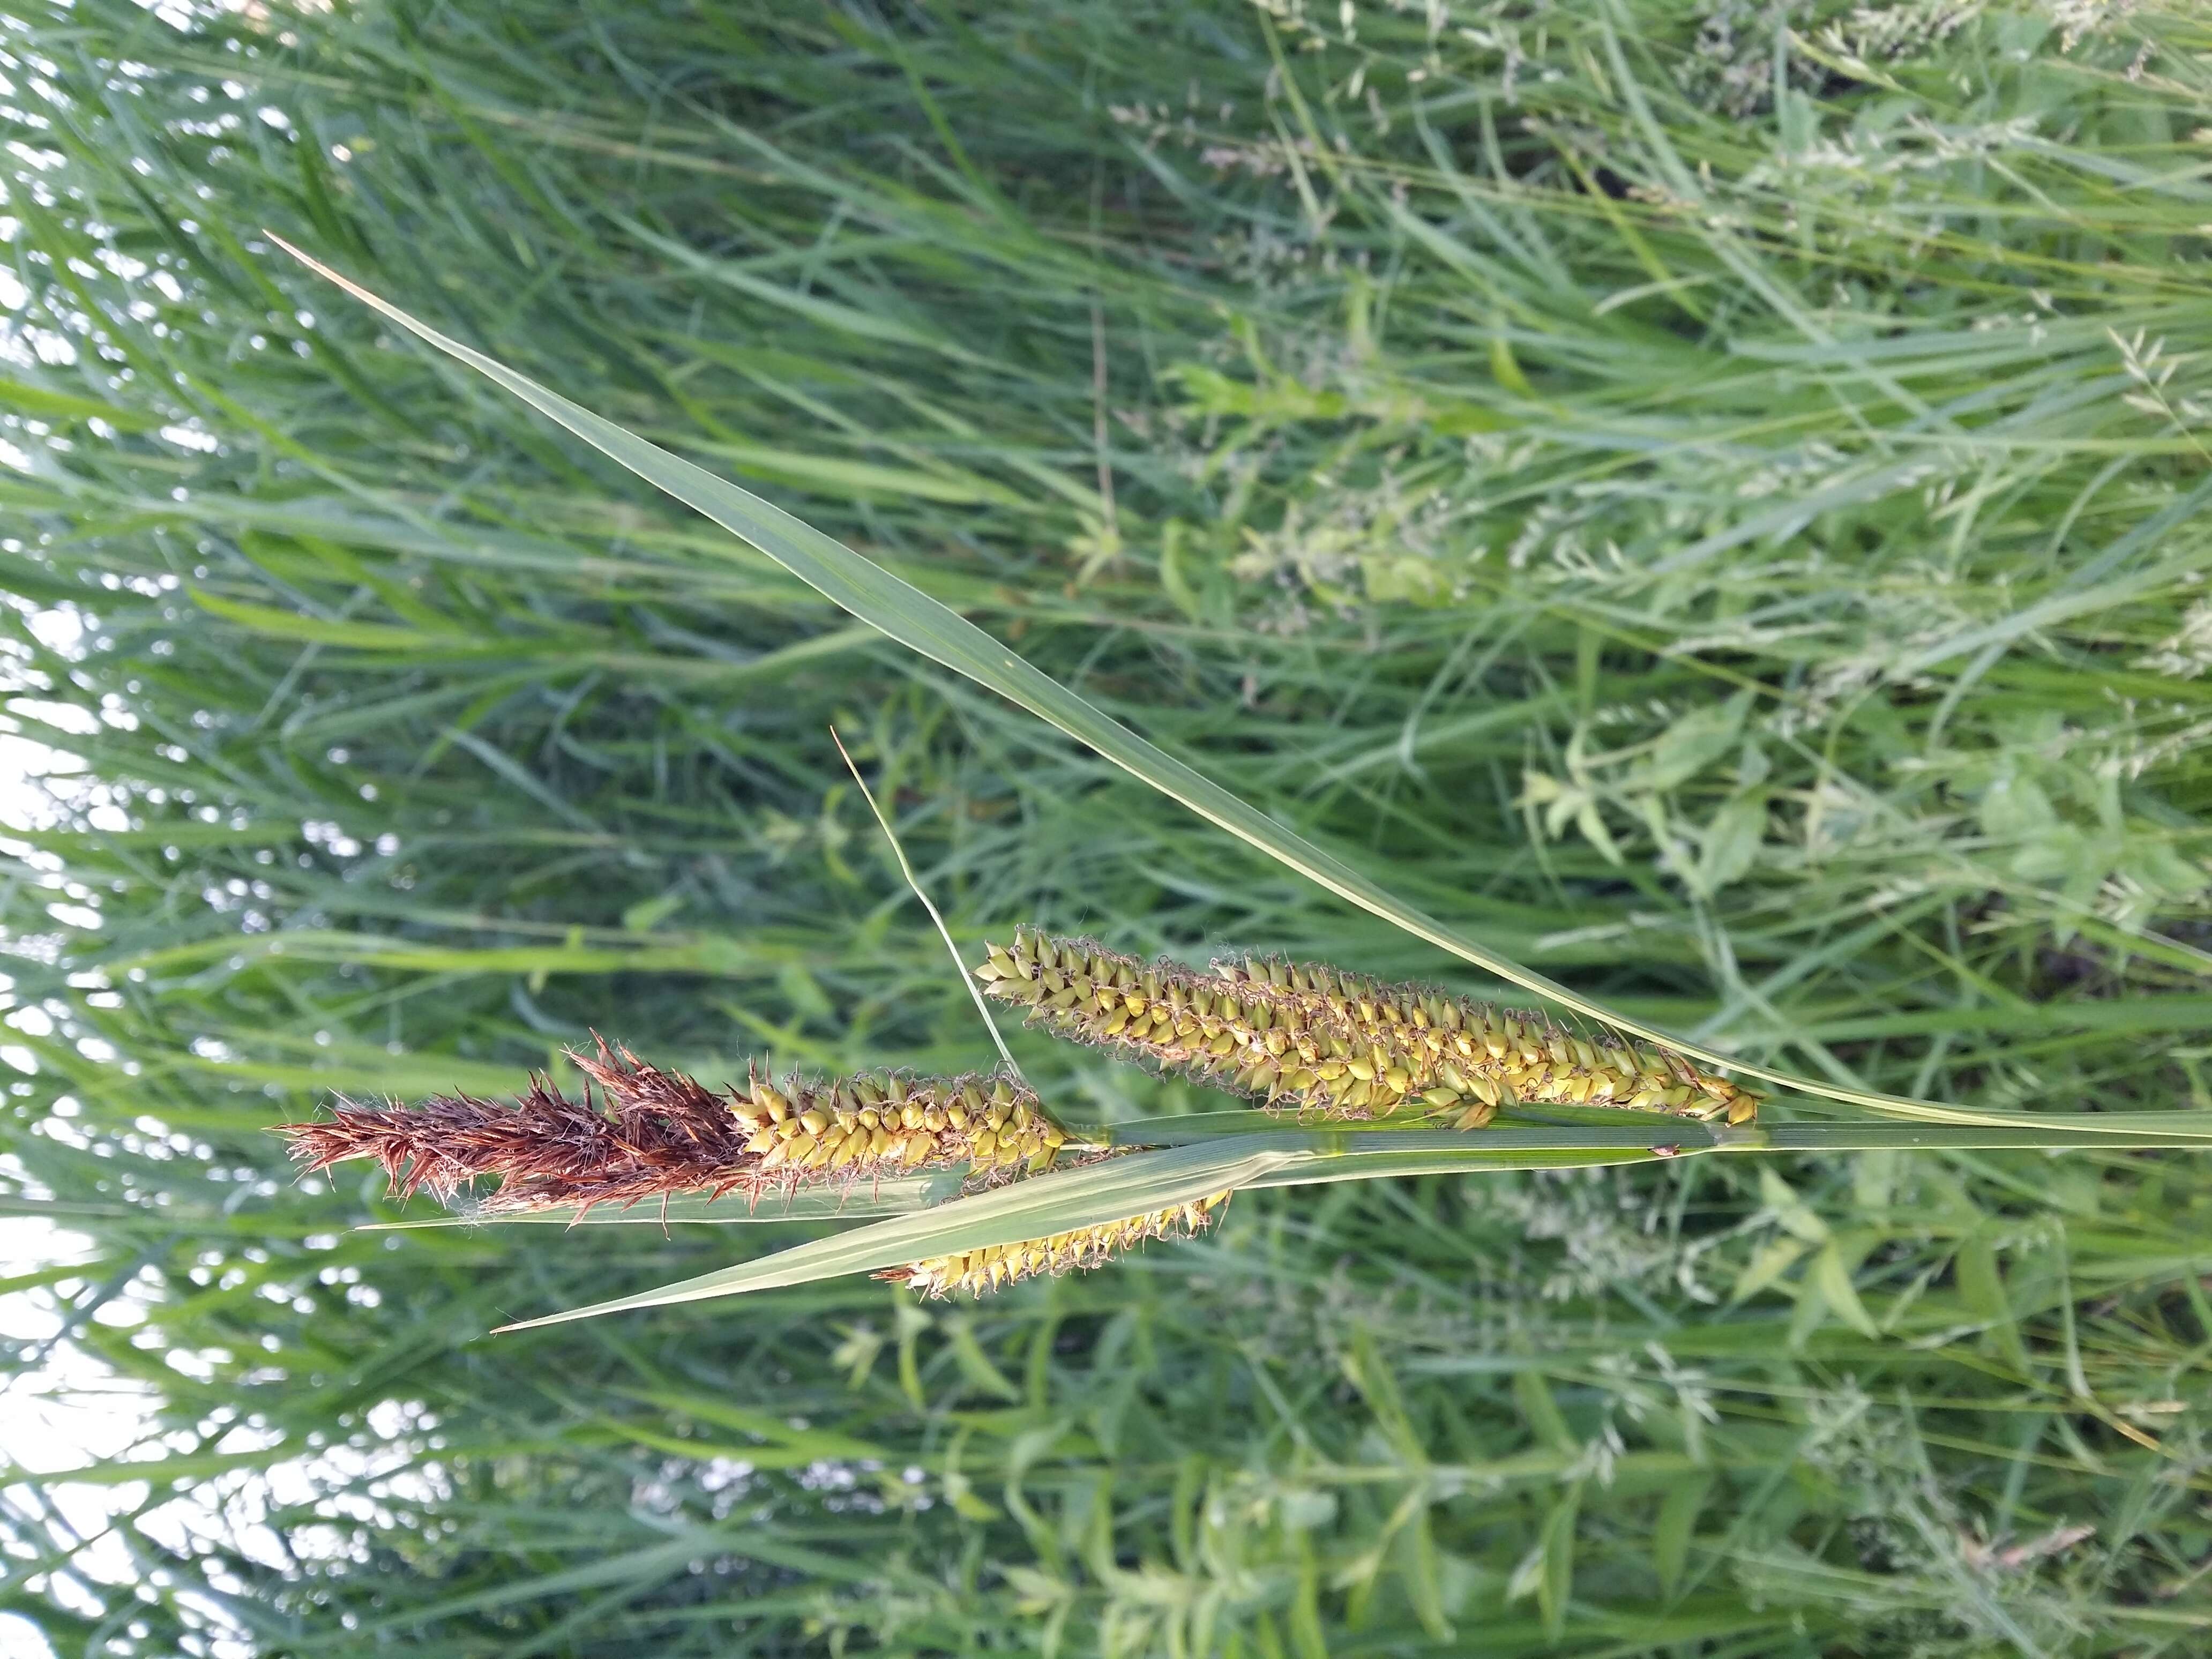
(975, 1271)
(1313, 1039)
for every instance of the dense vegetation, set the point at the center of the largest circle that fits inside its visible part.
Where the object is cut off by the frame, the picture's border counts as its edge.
(1707, 498)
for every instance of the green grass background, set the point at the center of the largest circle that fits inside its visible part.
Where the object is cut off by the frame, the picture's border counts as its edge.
(1707, 498)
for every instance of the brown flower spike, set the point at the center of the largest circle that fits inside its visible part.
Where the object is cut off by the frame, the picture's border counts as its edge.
(1315, 1038)
(660, 1133)
(978, 1271)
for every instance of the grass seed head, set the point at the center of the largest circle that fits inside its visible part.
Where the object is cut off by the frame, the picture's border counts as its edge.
(1313, 1038)
(978, 1271)
(653, 1133)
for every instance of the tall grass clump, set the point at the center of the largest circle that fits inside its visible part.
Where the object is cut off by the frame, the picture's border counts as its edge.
(1686, 522)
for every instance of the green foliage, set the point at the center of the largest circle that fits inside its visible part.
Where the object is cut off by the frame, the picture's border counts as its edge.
(1784, 447)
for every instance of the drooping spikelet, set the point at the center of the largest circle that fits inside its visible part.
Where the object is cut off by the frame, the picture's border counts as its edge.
(1314, 1038)
(660, 1133)
(978, 1271)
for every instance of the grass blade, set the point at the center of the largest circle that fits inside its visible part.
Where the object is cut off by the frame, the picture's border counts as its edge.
(1118, 1187)
(906, 869)
(905, 614)
(1104, 1192)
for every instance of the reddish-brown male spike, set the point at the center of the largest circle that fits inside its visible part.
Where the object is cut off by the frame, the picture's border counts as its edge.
(653, 1133)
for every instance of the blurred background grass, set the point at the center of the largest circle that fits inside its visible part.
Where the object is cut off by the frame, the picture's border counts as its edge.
(1707, 497)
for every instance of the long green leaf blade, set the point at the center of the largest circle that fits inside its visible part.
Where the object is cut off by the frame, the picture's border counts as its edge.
(904, 613)
(1142, 1182)
(1111, 1190)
